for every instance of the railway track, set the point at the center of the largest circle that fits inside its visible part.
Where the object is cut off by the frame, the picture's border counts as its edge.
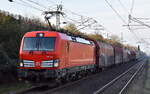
(121, 83)
(52, 87)
(53, 91)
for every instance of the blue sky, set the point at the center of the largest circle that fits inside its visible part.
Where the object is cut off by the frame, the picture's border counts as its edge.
(97, 9)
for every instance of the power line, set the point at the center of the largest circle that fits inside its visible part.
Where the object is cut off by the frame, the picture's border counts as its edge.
(125, 9)
(37, 4)
(29, 5)
(129, 19)
(73, 13)
(84, 18)
(115, 11)
(51, 2)
(138, 21)
(85, 23)
(139, 39)
(132, 6)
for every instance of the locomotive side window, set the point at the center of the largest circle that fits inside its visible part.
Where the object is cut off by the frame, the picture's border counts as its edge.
(73, 39)
(79, 40)
(70, 38)
(42, 44)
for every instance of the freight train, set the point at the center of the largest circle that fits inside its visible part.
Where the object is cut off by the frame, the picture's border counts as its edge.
(55, 55)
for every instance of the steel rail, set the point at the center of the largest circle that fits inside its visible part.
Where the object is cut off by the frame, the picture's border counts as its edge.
(114, 80)
(131, 79)
(59, 87)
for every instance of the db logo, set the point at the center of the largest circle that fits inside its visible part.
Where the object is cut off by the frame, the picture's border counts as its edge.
(37, 64)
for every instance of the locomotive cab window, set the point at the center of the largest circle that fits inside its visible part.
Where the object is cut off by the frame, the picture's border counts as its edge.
(39, 44)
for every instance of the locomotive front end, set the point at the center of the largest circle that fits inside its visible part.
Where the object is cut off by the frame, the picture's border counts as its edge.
(38, 55)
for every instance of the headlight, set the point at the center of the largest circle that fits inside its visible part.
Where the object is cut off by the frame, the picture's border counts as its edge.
(56, 63)
(50, 63)
(21, 64)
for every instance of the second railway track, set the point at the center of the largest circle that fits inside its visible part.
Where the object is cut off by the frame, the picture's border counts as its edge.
(66, 89)
(120, 83)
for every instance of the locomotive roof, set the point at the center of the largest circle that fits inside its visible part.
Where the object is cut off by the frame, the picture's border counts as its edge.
(33, 34)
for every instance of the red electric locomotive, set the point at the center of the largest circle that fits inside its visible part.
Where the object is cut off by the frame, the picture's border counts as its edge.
(54, 55)
(47, 54)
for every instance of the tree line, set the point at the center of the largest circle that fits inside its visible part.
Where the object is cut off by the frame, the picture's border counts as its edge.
(12, 28)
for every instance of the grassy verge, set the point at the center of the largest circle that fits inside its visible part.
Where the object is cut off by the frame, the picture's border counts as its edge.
(6, 88)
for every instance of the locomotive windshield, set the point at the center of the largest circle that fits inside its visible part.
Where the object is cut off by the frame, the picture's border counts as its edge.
(39, 44)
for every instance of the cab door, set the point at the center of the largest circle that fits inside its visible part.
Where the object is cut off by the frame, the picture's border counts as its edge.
(66, 53)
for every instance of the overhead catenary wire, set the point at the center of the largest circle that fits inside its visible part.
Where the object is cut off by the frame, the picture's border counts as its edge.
(77, 22)
(51, 2)
(106, 29)
(43, 6)
(24, 3)
(132, 6)
(38, 4)
(86, 23)
(119, 16)
(123, 6)
(31, 3)
(137, 21)
(86, 19)
(125, 9)
(129, 13)
(69, 11)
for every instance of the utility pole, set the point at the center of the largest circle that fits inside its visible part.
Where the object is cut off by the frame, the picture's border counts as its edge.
(57, 13)
(107, 36)
(139, 47)
(122, 37)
